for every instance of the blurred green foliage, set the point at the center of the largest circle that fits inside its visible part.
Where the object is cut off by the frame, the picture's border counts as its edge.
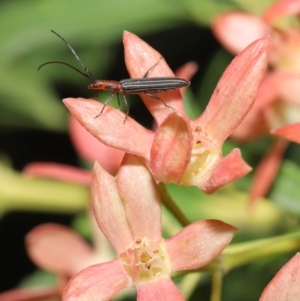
(26, 96)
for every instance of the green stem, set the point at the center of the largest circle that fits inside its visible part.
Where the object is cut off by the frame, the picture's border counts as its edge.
(171, 205)
(243, 253)
(216, 290)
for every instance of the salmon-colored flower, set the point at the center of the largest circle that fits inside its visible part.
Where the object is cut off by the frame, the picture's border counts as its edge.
(59, 250)
(128, 211)
(90, 149)
(187, 152)
(277, 104)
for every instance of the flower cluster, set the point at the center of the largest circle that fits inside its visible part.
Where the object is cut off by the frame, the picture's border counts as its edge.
(126, 197)
(276, 109)
(183, 151)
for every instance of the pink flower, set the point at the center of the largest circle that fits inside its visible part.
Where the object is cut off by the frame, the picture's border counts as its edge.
(277, 104)
(183, 151)
(59, 250)
(277, 98)
(236, 30)
(285, 286)
(128, 211)
(90, 149)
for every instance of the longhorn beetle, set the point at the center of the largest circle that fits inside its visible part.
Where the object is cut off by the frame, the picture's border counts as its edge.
(149, 86)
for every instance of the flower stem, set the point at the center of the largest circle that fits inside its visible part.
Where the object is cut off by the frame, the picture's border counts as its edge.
(243, 253)
(171, 205)
(216, 290)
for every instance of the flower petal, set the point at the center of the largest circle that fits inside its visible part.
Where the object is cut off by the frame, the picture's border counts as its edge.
(228, 169)
(163, 289)
(237, 30)
(171, 149)
(187, 71)
(109, 210)
(110, 128)
(139, 57)
(285, 284)
(32, 294)
(98, 282)
(198, 244)
(92, 149)
(266, 171)
(141, 199)
(235, 92)
(290, 132)
(282, 8)
(57, 249)
(59, 172)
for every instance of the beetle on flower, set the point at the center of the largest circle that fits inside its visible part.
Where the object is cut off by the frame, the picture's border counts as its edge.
(182, 151)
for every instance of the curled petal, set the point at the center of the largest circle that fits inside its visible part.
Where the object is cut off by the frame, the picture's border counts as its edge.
(110, 128)
(57, 249)
(98, 282)
(285, 284)
(141, 199)
(59, 172)
(109, 210)
(228, 169)
(139, 57)
(235, 92)
(237, 30)
(282, 8)
(290, 132)
(198, 244)
(92, 149)
(162, 289)
(171, 149)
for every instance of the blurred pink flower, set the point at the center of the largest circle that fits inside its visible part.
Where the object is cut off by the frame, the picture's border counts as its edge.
(59, 250)
(285, 286)
(128, 211)
(187, 152)
(277, 103)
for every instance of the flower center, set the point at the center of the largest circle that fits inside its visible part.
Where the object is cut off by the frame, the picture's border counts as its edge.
(145, 261)
(203, 157)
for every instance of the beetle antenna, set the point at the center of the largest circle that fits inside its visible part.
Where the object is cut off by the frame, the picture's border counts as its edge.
(87, 71)
(87, 75)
